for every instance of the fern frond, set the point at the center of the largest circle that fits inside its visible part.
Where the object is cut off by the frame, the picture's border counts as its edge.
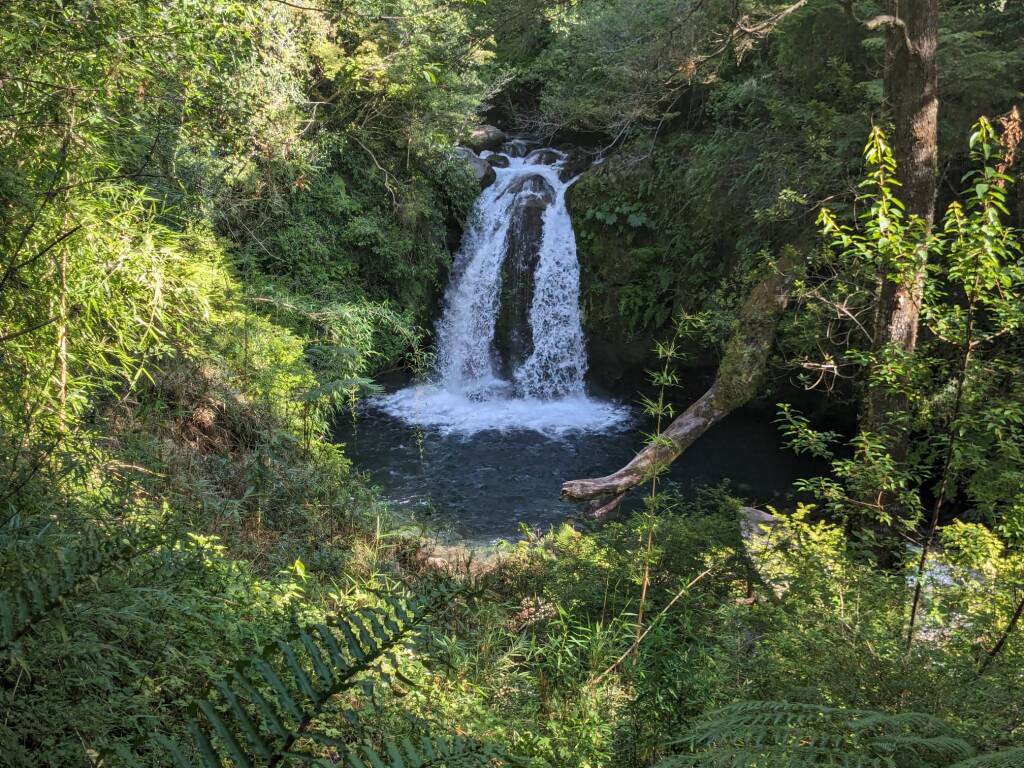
(47, 587)
(786, 734)
(450, 752)
(267, 705)
(1007, 758)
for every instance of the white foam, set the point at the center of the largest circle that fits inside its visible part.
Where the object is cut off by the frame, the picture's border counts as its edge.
(452, 412)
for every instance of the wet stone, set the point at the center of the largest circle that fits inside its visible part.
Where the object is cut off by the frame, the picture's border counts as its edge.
(544, 157)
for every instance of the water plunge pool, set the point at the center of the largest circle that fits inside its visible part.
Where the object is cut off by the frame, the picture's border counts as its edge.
(482, 485)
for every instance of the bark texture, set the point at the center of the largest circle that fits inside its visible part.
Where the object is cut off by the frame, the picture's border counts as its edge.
(737, 381)
(911, 90)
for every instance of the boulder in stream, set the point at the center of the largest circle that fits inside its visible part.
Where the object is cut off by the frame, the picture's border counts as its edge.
(515, 148)
(485, 137)
(482, 169)
(545, 156)
(575, 164)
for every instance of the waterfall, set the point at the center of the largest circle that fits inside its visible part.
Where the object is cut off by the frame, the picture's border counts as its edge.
(520, 243)
(510, 346)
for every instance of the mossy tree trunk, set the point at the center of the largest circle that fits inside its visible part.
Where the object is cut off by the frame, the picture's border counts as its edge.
(737, 381)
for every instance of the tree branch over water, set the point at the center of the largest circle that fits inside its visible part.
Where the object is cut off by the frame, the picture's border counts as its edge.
(737, 381)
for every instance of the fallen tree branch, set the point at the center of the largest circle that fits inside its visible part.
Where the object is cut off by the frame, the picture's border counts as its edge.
(603, 509)
(737, 381)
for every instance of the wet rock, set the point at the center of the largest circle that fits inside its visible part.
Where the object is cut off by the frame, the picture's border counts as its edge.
(513, 335)
(536, 188)
(574, 165)
(615, 360)
(543, 157)
(482, 170)
(515, 148)
(485, 137)
(485, 175)
(498, 161)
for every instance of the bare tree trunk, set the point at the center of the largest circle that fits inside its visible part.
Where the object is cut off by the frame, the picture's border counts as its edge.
(737, 381)
(62, 334)
(911, 89)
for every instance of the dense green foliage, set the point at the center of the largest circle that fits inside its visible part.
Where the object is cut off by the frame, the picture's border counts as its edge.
(725, 142)
(219, 219)
(283, 721)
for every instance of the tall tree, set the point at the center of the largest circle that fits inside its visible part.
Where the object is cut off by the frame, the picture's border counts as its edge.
(911, 91)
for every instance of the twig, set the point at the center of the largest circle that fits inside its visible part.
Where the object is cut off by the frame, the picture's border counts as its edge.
(650, 626)
(381, 168)
(991, 655)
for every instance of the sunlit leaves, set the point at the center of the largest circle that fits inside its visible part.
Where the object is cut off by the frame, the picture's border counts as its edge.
(960, 383)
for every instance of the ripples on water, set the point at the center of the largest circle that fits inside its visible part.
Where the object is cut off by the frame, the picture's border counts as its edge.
(472, 479)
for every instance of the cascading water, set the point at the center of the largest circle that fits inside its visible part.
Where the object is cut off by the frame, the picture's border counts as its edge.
(477, 449)
(511, 353)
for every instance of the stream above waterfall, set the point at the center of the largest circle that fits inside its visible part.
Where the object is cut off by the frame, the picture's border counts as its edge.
(483, 444)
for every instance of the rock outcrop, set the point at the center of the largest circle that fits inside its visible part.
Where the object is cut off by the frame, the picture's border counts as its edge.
(513, 336)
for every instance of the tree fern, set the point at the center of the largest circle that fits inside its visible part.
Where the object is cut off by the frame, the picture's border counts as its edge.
(449, 751)
(780, 734)
(265, 709)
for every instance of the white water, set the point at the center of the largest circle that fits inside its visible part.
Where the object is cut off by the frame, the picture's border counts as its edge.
(546, 392)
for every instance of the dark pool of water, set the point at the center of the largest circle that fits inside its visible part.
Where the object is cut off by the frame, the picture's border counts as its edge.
(486, 486)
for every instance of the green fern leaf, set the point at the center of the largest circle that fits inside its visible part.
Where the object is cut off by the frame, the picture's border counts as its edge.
(225, 735)
(249, 728)
(323, 672)
(284, 696)
(1007, 758)
(301, 678)
(272, 721)
(352, 643)
(318, 669)
(329, 641)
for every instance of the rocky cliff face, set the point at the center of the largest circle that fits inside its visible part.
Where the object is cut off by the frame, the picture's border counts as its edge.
(618, 349)
(513, 337)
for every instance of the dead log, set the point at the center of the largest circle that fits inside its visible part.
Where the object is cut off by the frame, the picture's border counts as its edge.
(737, 381)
